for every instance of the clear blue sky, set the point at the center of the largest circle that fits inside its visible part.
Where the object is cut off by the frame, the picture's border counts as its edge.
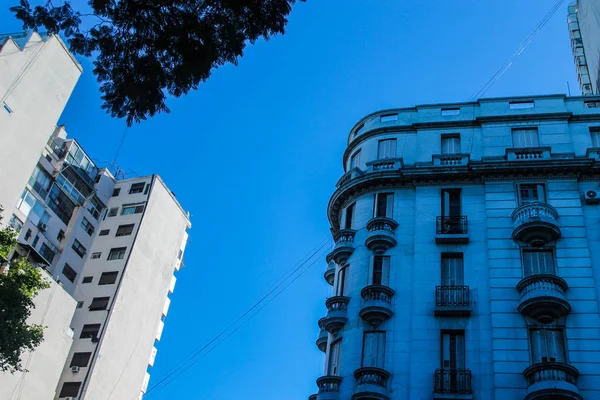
(254, 154)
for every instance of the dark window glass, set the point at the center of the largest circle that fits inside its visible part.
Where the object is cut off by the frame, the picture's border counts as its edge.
(108, 278)
(117, 253)
(99, 303)
(113, 211)
(70, 389)
(104, 232)
(124, 230)
(116, 192)
(79, 249)
(60, 236)
(80, 360)
(132, 209)
(89, 331)
(69, 273)
(377, 270)
(87, 279)
(349, 215)
(384, 203)
(137, 188)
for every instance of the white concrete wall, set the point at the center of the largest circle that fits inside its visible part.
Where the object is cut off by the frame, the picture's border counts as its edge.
(54, 308)
(35, 83)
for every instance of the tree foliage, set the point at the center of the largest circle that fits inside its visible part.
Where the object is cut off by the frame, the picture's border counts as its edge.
(149, 48)
(18, 287)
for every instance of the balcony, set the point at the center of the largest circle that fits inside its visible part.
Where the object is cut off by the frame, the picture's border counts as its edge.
(452, 384)
(450, 160)
(377, 304)
(371, 384)
(329, 387)
(452, 301)
(344, 246)
(543, 297)
(535, 223)
(323, 336)
(552, 380)
(452, 230)
(528, 154)
(381, 234)
(348, 176)
(337, 308)
(329, 274)
(386, 164)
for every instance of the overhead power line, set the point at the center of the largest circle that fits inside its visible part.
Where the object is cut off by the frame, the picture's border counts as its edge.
(518, 52)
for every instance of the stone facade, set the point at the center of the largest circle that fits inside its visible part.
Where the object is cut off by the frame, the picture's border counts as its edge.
(467, 255)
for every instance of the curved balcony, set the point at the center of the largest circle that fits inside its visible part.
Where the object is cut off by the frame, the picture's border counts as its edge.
(329, 274)
(312, 397)
(543, 297)
(535, 223)
(552, 381)
(371, 384)
(381, 234)
(329, 387)
(323, 336)
(337, 308)
(377, 304)
(344, 246)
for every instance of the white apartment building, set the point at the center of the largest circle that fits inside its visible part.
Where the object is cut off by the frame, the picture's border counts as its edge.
(584, 28)
(466, 262)
(114, 245)
(37, 77)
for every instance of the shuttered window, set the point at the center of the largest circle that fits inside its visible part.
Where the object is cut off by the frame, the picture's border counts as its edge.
(525, 138)
(373, 353)
(387, 149)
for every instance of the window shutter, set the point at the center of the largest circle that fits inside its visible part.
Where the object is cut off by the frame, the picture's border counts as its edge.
(556, 350)
(389, 210)
(385, 271)
(538, 345)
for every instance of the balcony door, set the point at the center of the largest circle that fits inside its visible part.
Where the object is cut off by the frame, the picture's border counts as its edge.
(532, 193)
(453, 350)
(379, 271)
(333, 362)
(384, 205)
(373, 354)
(452, 269)
(547, 345)
(451, 203)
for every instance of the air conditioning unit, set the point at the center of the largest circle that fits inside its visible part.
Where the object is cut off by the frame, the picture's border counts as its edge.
(42, 226)
(75, 369)
(592, 197)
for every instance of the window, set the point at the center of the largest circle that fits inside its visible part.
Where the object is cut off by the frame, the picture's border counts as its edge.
(355, 160)
(70, 389)
(520, 105)
(525, 138)
(60, 236)
(147, 189)
(117, 253)
(60, 204)
(536, 262)
(28, 234)
(387, 149)
(373, 351)
(113, 211)
(384, 205)
(104, 232)
(380, 271)
(453, 349)
(592, 104)
(87, 279)
(349, 215)
(36, 239)
(40, 181)
(95, 207)
(133, 209)
(333, 362)
(532, 193)
(89, 331)
(340, 288)
(547, 345)
(7, 109)
(595, 134)
(388, 118)
(98, 177)
(452, 269)
(79, 304)
(116, 192)
(451, 203)
(87, 226)
(450, 144)
(79, 249)
(108, 278)
(80, 360)
(69, 272)
(124, 230)
(47, 252)
(15, 223)
(99, 303)
(450, 111)
(137, 188)
(96, 255)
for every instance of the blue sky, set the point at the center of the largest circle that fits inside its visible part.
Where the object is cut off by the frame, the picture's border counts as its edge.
(254, 155)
